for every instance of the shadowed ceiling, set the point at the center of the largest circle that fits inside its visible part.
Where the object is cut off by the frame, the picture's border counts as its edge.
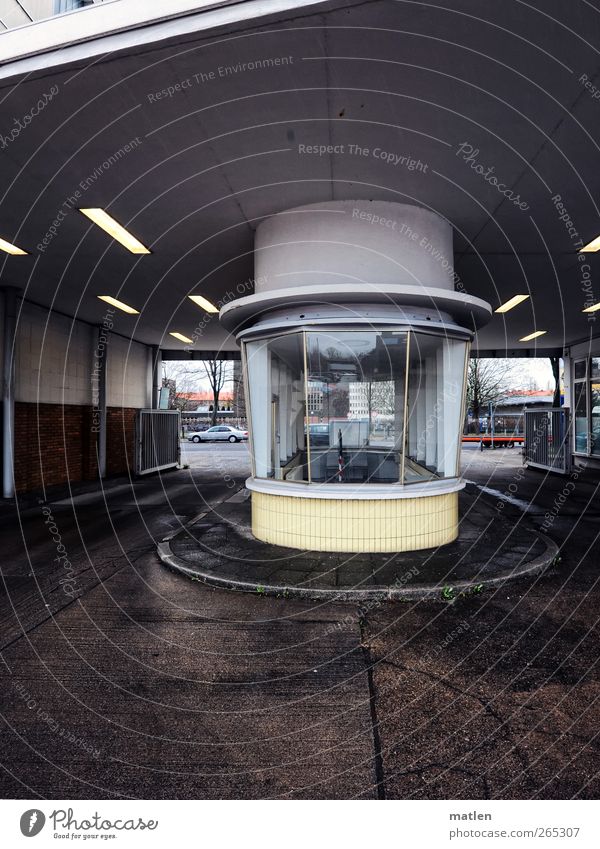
(511, 83)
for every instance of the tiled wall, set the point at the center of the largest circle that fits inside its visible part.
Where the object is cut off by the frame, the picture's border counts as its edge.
(55, 440)
(402, 524)
(53, 356)
(127, 374)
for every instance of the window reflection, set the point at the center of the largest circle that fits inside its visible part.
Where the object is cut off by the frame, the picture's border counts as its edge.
(276, 391)
(356, 435)
(343, 422)
(435, 406)
(595, 418)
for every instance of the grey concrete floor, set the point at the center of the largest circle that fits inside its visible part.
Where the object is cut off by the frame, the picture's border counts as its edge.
(128, 681)
(218, 548)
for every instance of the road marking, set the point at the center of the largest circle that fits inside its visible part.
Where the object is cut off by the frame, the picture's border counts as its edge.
(525, 506)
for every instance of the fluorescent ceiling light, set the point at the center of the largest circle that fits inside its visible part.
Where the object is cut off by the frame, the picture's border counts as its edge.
(182, 338)
(591, 247)
(512, 303)
(203, 303)
(13, 250)
(119, 304)
(593, 308)
(533, 335)
(114, 229)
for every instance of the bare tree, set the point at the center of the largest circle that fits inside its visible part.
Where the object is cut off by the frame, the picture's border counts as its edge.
(378, 397)
(239, 394)
(488, 380)
(181, 378)
(382, 397)
(338, 402)
(217, 374)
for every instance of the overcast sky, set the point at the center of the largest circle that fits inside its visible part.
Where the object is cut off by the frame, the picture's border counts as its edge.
(191, 378)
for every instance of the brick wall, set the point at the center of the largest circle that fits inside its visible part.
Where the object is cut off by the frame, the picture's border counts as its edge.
(54, 443)
(120, 440)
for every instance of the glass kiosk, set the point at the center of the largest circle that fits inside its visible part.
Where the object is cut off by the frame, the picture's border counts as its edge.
(356, 404)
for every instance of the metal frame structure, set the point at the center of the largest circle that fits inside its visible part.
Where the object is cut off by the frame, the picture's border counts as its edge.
(259, 333)
(157, 440)
(548, 440)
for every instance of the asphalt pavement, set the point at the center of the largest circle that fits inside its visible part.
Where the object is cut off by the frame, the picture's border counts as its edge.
(124, 680)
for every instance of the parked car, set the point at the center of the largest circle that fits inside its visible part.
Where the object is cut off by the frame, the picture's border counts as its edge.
(319, 434)
(218, 433)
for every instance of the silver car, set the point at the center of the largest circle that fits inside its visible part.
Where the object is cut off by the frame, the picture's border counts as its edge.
(219, 433)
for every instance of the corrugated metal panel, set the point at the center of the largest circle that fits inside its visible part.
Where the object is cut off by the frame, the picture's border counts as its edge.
(157, 440)
(547, 439)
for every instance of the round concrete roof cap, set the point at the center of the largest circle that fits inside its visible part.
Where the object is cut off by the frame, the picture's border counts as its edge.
(467, 311)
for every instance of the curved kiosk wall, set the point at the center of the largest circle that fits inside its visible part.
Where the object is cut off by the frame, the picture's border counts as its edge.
(355, 348)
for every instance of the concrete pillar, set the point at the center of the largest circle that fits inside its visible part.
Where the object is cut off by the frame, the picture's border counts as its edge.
(99, 372)
(9, 296)
(156, 370)
(351, 248)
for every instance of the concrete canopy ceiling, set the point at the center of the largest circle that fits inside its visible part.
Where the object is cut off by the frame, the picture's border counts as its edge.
(414, 79)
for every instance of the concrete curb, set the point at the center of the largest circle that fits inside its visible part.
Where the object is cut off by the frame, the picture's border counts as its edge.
(414, 592)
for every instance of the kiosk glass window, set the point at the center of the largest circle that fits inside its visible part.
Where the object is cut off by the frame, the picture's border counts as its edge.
(356, 388)
(275, 375)
(435, 409)
(580, 387)
(594, 430)
(374, 406)
(595, 415)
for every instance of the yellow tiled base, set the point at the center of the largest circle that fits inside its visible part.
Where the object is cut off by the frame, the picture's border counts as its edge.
(402, 524)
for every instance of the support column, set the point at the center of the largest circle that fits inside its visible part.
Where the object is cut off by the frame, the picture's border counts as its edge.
(100, 399)
(156, 366)
(9, 296)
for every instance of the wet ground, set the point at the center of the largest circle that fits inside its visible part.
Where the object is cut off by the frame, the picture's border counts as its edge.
(122, 679)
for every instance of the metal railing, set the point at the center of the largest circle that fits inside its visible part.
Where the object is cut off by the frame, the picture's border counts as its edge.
(547, 439)
(157, 440)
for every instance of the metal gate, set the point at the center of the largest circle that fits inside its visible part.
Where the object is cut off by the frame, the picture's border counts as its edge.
(157, 440)
(547, 440)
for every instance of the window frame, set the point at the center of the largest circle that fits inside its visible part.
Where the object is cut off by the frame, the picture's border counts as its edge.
(267, 336)
(586, 380)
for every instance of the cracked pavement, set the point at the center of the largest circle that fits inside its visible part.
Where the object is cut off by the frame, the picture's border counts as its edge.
(144, 684)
